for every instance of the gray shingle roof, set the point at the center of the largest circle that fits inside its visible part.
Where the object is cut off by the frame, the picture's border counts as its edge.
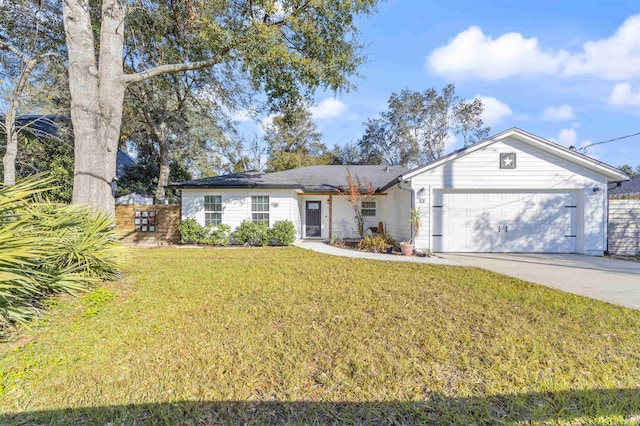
(239, 180)
(309, 179)
(631, 186)
(329, 178)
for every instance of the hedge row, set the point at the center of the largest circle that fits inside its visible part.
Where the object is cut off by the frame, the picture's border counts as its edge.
(283, 233)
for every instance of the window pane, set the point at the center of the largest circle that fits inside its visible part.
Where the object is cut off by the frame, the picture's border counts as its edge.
(368, 208)
(260, 203)
(260, 217)
(213, 203)
(212, 218)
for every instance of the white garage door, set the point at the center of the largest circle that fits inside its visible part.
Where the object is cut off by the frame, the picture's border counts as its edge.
(525, 222)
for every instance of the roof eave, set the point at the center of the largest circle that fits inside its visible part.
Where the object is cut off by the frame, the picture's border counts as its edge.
(390, 184)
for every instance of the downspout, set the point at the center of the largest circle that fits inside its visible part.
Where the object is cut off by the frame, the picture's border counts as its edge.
(413, 202)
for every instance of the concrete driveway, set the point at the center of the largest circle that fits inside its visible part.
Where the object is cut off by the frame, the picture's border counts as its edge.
(614, 281)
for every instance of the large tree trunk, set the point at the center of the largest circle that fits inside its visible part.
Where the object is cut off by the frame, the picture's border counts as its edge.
(163, 177)
(97, 96)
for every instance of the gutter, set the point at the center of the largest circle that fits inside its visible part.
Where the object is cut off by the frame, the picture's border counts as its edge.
(413, 201)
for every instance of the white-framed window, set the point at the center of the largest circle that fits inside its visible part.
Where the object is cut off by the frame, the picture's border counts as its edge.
(212, 210)
(368, 208)
(260, 208)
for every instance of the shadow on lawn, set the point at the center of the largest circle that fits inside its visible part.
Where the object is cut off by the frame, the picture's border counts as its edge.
(620, 403)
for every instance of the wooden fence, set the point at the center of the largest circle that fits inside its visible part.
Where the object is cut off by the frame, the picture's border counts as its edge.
(148, 224)
(624, 227)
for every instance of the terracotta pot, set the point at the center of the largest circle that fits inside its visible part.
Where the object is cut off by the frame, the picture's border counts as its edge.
(406, 249)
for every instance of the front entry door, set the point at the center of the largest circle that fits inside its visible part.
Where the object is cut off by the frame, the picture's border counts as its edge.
(314, 219)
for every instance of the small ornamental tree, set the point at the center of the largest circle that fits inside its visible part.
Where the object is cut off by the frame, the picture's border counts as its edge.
(356, 193)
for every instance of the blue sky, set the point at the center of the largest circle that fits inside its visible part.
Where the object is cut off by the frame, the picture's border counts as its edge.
(567, 71)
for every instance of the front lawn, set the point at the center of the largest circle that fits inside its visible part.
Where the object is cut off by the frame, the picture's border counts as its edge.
(283, 335)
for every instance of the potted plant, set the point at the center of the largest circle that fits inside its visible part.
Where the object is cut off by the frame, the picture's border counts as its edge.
(406, 247)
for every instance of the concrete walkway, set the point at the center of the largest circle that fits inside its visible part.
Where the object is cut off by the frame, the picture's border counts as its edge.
(322, 247)
(615, 281)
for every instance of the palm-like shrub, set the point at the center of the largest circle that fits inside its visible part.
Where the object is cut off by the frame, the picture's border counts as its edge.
(375, 243)
(47, 248)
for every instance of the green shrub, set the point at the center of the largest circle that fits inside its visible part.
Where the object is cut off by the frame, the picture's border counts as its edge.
(219, 235)
(251, 234)
(191, 232)
(375, 243)
(46, 248)
(84, 240)
(283, 233)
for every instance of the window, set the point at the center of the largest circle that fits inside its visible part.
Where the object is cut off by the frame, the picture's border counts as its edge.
(260, 209)
(368, 208)
(144, 221)
(212, 210)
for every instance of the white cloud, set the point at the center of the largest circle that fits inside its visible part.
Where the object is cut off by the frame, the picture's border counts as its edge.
(494, 110)
(242, 115)
(623, 95)
(328, 108)
(616, 57)
(558, 113)
(264, 124)
(567, 137)
(473, 54)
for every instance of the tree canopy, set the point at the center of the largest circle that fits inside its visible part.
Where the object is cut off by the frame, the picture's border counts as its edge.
(285, 49)
(417, 126)
(294, 141)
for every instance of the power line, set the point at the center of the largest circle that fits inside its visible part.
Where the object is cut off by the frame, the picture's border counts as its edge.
(584, 148)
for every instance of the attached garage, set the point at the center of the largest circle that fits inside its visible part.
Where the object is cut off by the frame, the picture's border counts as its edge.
(514, 192)
(518, 222)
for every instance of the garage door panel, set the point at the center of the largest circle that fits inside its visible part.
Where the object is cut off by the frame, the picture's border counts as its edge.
(508, 222)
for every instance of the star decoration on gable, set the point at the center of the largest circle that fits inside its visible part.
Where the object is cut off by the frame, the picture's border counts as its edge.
(508, 160)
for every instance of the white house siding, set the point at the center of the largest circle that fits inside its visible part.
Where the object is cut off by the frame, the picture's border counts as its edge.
(536, 171)
(343, 223)
(396, 213)
(236, 205)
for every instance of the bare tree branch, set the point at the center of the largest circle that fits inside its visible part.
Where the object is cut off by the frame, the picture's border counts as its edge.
(171, 68)
(22, 56)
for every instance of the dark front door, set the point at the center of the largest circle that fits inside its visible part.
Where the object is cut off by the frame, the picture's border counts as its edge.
(314, 219)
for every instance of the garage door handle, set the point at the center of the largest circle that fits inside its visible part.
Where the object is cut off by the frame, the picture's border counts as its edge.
(506, 228)
(498, 228)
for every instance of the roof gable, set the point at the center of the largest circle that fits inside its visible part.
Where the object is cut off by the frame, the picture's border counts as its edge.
(612, 173)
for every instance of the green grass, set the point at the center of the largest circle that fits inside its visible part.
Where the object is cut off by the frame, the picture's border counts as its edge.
(289, 336)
